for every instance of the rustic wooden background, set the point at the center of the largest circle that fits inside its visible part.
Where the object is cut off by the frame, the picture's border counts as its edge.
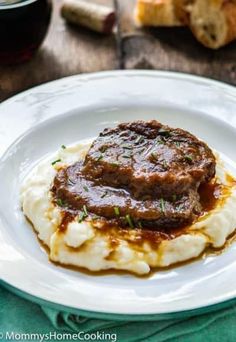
(70, 50)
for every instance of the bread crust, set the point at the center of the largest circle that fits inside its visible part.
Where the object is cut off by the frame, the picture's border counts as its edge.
(213, 22)
(230, 13)
(183, 9)
(156, 13)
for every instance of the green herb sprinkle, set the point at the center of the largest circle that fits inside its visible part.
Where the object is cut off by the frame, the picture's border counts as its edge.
(188, 158)
(162, 205)
(56, 161)
(60, 202)
(117, 211)
(129, 221)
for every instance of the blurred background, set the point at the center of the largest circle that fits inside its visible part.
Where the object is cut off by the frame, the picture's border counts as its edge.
(72, 49)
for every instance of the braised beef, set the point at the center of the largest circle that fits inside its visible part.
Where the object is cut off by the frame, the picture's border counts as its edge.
(149, 159)
(141, 174)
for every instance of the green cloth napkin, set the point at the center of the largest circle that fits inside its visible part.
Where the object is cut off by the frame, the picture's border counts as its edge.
(21, 316)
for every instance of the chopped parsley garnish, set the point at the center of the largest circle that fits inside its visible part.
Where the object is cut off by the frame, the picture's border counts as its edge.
(127, 147)
(117, 211)
(139, 140)
(83, 214)
(115, 164)
(126, 156)
(177, 143)
(164, 132)
(129, 221)
(63, 147)
(86, 188)
(100, 157)
(165, 164)
(103, 149)
(60, 202)
(188, 158)
(85, 210)
(162, 205)
(104, 194)
(95, 217)
(70, 181)
(56, 161)
(140, 224)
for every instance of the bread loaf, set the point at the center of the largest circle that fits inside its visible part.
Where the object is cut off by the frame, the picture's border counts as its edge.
(183, 9)
(156, 13)
(213, 22)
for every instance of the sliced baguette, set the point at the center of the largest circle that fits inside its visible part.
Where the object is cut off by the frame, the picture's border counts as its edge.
(213, 22)
(156, 13)
(183, 9)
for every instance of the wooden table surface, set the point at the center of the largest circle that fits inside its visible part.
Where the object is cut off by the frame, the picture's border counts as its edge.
(70, 50)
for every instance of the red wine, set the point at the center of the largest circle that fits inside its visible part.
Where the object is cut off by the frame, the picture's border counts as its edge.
(23, 26)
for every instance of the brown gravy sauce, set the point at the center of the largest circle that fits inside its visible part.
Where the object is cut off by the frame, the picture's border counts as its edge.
(210, 251)
(211, 195)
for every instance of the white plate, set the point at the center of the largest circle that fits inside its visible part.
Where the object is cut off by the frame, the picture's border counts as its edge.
(79, 107)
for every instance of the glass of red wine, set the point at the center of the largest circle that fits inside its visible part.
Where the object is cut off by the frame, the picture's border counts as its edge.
(23, 27)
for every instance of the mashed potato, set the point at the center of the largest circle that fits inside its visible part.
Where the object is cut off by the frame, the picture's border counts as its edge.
(88, 245)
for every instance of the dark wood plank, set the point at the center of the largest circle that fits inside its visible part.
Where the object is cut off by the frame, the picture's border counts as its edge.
(67, 50)
(172, 49)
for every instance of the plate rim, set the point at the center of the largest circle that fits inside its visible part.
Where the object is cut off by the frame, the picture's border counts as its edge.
(136, 72)
(118, 316)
